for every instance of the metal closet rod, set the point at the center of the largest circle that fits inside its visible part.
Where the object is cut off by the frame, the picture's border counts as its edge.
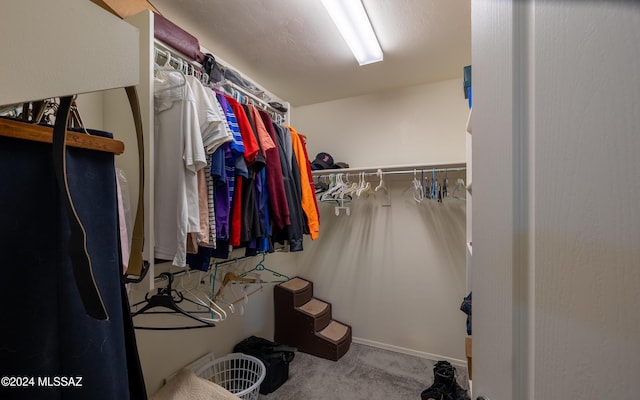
(352, 172)
(166, 50)
(245, 92)
(175, 53)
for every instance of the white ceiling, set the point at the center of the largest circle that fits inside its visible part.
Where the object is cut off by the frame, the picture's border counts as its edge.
(293, 49)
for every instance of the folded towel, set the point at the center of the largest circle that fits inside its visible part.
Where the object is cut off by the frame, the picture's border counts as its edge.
(186, 385)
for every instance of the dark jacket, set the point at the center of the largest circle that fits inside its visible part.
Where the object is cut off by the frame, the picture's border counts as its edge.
(291, 179)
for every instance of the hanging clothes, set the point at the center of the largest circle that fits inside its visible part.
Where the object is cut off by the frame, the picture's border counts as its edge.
(275, 183)
(291, 181)
(308, 197)
(251, 147)
(179, 153)
(210, 116)
(251, 227)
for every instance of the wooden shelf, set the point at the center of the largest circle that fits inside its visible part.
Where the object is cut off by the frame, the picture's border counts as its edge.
(44, 134)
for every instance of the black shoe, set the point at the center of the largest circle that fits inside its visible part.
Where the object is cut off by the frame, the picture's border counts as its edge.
(436, 392)
(459, 393)
(444, 376)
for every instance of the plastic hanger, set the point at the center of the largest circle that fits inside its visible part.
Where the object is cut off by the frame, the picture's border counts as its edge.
(333, 191)
(365, 188)
(382, 185)
(212, 308)
(169, 299)
(261, 268)
(460, 187)
(417, 191)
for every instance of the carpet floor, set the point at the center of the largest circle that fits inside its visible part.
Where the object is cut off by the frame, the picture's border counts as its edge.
(364, 373)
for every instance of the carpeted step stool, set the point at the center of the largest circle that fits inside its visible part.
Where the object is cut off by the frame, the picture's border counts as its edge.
(305, 322)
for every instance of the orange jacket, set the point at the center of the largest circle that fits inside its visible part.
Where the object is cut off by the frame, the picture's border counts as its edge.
(308, 195)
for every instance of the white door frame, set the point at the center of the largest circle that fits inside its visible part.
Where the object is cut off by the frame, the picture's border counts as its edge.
(501, 264)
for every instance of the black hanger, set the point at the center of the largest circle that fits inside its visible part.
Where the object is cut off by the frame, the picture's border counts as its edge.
(168, 298)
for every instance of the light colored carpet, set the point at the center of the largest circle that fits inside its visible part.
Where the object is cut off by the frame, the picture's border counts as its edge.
(364, 373)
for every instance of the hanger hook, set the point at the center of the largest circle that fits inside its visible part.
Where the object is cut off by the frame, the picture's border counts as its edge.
(169, 277)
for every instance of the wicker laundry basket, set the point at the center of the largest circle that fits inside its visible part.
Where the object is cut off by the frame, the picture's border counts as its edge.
(239, 373)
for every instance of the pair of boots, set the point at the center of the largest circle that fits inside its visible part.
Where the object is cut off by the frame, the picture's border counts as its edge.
(445, 386)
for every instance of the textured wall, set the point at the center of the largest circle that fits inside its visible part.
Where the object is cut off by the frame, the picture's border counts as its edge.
(420, 124)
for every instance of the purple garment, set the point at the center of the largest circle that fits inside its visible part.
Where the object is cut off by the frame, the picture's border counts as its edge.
(220, 191)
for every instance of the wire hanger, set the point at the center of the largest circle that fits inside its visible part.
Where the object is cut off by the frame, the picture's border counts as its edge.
(261, 268)
(169, 299)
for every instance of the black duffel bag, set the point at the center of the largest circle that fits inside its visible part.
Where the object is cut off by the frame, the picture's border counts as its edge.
(275, 357)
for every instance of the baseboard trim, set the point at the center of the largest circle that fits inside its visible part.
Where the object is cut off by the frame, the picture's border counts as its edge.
(411, 352)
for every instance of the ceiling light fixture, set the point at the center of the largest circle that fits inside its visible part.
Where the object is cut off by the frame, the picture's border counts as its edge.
(353, 23)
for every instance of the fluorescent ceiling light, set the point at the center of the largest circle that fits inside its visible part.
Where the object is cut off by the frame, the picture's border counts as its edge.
(353, 23)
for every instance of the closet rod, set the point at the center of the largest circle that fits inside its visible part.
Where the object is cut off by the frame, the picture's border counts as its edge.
(353, 172)
(164, 48)
(245, 92)
(175, 53)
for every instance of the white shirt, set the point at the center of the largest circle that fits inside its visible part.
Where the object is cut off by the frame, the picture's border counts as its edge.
(179, 154)
(210, 115)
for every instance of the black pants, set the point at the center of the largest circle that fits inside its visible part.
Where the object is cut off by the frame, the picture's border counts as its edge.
(44, 330)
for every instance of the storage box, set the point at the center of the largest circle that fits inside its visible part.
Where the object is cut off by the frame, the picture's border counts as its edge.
(467, 347)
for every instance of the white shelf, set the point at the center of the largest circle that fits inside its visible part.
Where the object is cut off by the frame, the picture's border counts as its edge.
(93, 50)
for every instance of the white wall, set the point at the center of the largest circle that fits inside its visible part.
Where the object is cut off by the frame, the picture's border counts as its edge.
(90, 107)
(421, 124)
(396, 274)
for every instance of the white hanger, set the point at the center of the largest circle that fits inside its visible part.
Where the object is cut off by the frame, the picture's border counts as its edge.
(381, 186)
(334, 190)
(198, 301)
(365, 187)
(460, 187)
(418, 192)
(350, 189)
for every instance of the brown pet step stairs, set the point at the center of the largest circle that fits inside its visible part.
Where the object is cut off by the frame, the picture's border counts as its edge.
(305, 322)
